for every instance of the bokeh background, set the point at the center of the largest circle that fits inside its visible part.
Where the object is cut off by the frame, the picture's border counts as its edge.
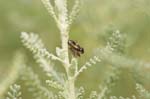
(96, 19)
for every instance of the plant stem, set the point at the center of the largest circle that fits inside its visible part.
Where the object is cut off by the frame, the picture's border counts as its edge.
(64, 30)
(71, 93)
(64, 39)
(71, 80)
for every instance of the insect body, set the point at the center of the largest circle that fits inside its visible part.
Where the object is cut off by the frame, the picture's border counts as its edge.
(75, 48)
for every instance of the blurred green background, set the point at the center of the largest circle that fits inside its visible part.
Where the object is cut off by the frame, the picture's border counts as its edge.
(90, 29)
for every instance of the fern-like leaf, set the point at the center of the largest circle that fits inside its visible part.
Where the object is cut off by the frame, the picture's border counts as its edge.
(50, 9)
(80, 93)
(34, 84)
(93, 95)
(91, 62)
(114, 97)
(14, 92)
(54, 84)
(75, 11)
(143, 93)
(109, 82)
(41, 55)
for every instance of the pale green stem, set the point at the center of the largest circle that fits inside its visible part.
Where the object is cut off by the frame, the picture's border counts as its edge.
(71, 93)
(63, 26)
(71, 80)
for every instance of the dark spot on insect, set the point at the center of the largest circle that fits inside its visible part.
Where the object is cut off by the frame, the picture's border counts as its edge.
(75, 48)
(82, 50)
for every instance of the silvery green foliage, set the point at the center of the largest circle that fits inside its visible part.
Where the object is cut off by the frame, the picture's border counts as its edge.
(54, 84)
(93, 95)
(60, 12)
(113, 53)
(114, 97)
(61, 84)
(34, 44)
(143, 93)
(108, 83)
(63, 19)
(80, 93)
(117, 41)
(64, 83)
(41, 55)
(17, 62)
(75, 11)
(14, 92)
(34, 85)
(92, 61)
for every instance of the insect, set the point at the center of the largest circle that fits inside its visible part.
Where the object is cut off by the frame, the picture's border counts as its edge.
(75, 48)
